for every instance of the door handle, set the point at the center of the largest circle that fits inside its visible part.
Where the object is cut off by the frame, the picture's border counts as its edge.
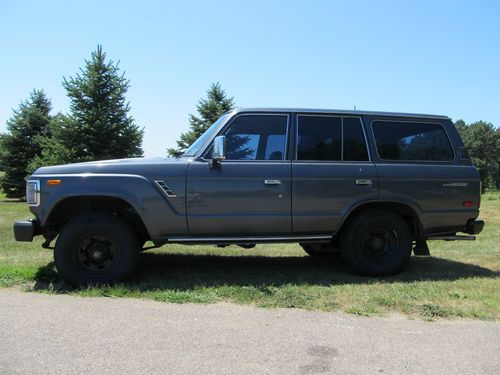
(272, 182)
(364, 182)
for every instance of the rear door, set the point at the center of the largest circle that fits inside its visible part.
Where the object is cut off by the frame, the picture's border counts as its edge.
(332, 171)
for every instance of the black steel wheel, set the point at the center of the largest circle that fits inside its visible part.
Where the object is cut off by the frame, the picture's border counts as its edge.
(97, 253)
(96, 249)
(380, 242)
(377, 243)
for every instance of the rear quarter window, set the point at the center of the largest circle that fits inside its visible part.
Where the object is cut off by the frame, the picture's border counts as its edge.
(412, 141)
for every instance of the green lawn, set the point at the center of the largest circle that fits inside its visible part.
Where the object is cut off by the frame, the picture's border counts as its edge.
(461, 279)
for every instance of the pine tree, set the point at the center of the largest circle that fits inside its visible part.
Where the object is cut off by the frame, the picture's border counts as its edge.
(58, 145)
(102, 125)
(209, 110)
(20, 144)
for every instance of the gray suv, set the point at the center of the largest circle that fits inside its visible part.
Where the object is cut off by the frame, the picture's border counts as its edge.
(371, 185)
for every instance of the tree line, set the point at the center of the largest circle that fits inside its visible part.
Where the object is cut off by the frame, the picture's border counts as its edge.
(482, 143)
(99, 127)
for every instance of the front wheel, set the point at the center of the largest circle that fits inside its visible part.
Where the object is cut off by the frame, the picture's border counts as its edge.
(96, 249)
(377, 243)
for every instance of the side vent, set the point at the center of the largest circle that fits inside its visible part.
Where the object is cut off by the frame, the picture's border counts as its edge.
(164, 187)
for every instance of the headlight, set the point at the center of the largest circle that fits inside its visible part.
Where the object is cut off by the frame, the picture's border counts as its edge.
(33, 192)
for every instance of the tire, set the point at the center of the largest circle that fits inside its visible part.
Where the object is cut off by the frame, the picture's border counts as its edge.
(377, 243)
(319, 249)
(96, 249)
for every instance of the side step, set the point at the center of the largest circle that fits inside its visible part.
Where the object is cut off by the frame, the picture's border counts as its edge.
(247, 240)
(453, 238)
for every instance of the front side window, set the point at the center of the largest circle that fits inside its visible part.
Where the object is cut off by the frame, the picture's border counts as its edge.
(329, 138)
(411, 141)
(257, 137)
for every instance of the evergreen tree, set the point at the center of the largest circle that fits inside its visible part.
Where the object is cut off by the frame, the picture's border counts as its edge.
(209, 110)
(497, 172)
(58, 146)
(102, 126)
(20, 144)
(2, 137)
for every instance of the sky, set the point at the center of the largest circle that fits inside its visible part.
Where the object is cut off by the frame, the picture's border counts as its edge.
(439, 57)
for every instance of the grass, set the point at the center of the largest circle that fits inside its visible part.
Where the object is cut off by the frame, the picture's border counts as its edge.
(461, 279)
(491, 196)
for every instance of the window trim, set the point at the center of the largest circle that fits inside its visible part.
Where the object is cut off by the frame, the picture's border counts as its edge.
(451, 161)
(295, 156)
(229, 122)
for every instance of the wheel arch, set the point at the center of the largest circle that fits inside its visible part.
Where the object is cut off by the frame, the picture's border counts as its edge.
(405, 210)
(70, 207)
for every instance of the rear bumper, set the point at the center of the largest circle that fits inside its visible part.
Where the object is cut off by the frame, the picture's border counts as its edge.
(25, 230)
(474, 226)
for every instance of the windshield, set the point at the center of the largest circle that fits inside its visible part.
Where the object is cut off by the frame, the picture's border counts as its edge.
(198, 144)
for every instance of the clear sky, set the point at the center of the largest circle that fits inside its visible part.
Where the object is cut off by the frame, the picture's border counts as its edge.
(439, 57)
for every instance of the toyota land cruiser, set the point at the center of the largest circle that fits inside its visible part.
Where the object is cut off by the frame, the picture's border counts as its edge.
(371, 185)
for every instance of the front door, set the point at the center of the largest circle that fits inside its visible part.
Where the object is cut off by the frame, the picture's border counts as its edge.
(249, 193)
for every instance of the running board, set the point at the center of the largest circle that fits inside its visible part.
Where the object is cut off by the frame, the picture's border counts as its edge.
(247, 240)
(453, 238)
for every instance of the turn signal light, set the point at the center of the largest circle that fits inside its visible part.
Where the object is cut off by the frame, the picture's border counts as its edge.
(54, 182)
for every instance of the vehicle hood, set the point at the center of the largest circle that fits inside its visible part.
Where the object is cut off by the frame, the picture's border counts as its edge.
(139, 166)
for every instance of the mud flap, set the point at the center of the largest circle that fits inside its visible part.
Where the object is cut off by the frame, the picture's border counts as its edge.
(421, 248)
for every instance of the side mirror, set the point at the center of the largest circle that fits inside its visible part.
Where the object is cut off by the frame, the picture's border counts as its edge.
(219, 150)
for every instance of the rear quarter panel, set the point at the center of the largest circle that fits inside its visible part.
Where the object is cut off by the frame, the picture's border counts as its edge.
(436, 189)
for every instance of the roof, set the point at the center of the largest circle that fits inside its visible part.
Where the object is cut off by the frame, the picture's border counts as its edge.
(340, 112)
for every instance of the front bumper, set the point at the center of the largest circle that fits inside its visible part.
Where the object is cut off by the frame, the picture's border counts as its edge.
(25, 230)
(474, 226)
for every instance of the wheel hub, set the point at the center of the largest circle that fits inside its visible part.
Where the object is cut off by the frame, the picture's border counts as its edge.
(377, 243)
(381, 242)
(97, 252)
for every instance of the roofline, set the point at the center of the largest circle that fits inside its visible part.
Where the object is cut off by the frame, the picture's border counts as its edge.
(339, 112)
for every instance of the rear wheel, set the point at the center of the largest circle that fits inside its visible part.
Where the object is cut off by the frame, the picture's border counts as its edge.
(377, 243)
(96, 249)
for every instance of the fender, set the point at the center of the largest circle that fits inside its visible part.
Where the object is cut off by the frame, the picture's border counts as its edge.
(162, 216)
(412, 205)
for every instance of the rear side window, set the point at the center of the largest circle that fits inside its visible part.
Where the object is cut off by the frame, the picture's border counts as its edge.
(329, 138)
(319, 138)
(411, 141)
